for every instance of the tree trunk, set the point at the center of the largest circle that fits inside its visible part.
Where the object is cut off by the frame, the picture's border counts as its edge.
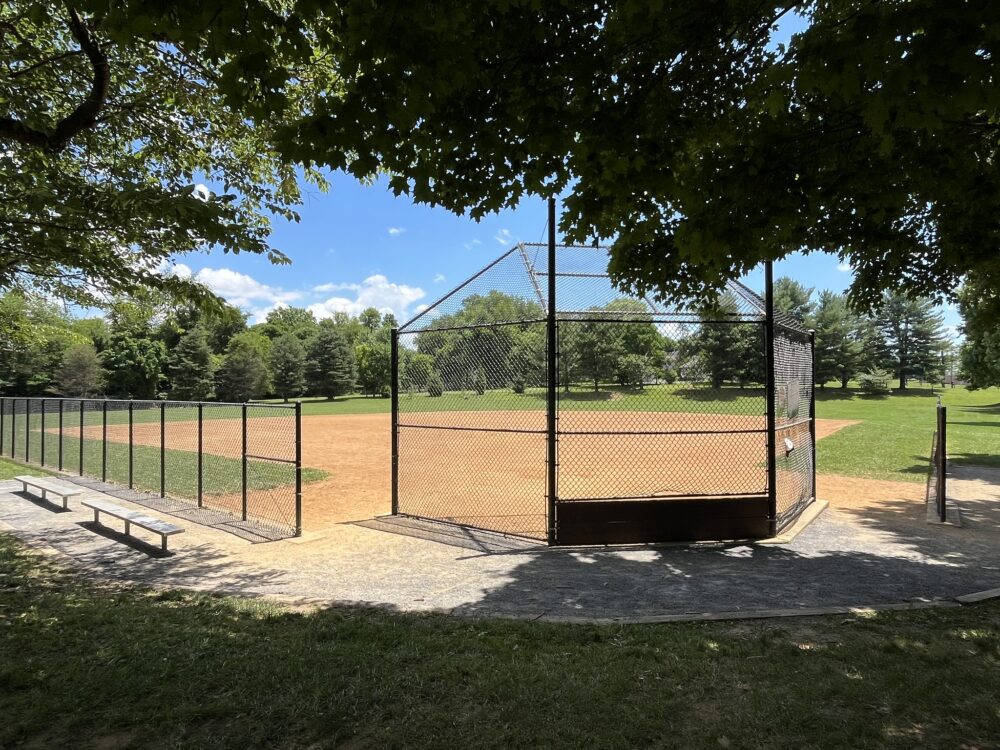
(902, 381)
(843, 381)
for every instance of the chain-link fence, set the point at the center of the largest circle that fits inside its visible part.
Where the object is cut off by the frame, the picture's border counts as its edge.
(237, 465)
(645, 421)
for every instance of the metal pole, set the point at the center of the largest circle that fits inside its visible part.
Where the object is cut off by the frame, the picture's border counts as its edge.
(27, 430)
(552, 367)
(812, 407)
(943, 459)
(201, 409)
(42, 438)
(131, 409)
(394, 391)
(82, 406)
(104, 440)
(770, 394)
(298, 467)
(61, 402)
(3, 413)
(244, 462)
(163, 449)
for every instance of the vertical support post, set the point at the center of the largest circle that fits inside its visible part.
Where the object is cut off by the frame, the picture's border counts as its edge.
(770, 393)
(163, 448)
(298, 467)
(394, 391)
(3, 414)
(41, 460)
(83, 405)
(131, 462)
(61, 403)
(812, 407)
(27, 430)
(244, 462)
(942, 462)
(201, 438)
(104, 440)
(552, 381)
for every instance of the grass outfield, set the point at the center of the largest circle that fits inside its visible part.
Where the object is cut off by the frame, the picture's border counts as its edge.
(83, 665)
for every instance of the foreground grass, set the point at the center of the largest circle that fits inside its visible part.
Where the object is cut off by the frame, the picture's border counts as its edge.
(84, 665)
(10, 469)
(893, 440)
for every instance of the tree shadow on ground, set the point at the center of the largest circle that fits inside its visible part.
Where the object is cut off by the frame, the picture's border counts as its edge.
(719, 394)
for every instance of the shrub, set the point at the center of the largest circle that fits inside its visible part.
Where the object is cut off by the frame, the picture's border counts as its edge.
(435, 386)
(479, 382)
(875, 382)
(517, 384)
(670, 376)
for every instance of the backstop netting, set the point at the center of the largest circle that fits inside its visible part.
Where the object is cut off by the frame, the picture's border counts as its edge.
(656, 406)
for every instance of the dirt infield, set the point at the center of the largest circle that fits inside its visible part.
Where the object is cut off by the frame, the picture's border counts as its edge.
(492, 479)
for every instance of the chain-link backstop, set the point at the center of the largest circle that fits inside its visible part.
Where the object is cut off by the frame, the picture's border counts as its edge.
(233, 465)
(643, 422)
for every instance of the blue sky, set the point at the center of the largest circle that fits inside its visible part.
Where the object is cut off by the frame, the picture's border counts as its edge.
(358, 246)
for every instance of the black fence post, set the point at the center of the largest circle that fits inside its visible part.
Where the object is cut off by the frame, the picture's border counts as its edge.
(244, 462)
(942, 490)
(3, 413)
(104, 440)
(61, 404)
(769, 392)
(812, 406)
(27, 430)
(201, 408)
(131, 409)
(394, 392)
(41, 439)
(298, 463)
(552, 382)
(82, 407)
(163, 449)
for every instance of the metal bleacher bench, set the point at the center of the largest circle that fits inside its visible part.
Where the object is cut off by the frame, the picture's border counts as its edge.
(130, 517)
(50, 487)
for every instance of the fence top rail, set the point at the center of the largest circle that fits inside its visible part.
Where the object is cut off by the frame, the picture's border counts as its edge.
(150, 401)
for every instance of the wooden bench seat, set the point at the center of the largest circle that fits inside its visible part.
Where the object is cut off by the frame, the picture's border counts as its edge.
(130, 517)
(48, 486)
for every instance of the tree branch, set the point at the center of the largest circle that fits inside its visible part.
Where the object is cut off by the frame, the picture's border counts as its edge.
(85, 115)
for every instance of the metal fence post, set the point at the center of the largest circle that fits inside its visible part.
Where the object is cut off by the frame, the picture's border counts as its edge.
(201, 408)
(163, 449)
(812, 406)
(131, 409)
(298, 464)
(3, 413)
(82, 406)
(394, 392)
(27, 430)
(61, 404)
(769, 392)
(244, 462)
(942, 462)
(552, 382)
(104, 440)
(42, 434)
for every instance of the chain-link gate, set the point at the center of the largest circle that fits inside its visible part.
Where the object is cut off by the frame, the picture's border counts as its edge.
(232, 465)
(643, 422)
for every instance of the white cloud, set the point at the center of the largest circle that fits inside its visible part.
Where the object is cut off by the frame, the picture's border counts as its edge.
(201, 192)
(472, 244)
(375, 291)
(844, 267)
(504, 237)
(396, 231)
(179, 270)
(245, 291)
(438, 278)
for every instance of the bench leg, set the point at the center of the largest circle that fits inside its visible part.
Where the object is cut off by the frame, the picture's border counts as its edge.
(44, 496)
(65, 502)
(128, 527)
(163, 542)
(96, 514)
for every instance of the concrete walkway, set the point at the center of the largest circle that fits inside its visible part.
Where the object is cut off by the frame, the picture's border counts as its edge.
(886, 555)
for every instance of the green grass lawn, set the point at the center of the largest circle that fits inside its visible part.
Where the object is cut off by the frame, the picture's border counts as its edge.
(10, 469)
(88, 666)
(894, 439)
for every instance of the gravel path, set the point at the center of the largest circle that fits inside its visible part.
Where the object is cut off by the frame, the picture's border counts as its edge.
(883, 554)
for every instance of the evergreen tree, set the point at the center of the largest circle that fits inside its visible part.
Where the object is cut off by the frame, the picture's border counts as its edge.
(330, 365)
(914, 334)
(81, 374)
(596, 351)
(716, 346)
(979, 305)
(838, 348)
(793, 299)
(242, 376)
(288, 366)
(192, 371)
